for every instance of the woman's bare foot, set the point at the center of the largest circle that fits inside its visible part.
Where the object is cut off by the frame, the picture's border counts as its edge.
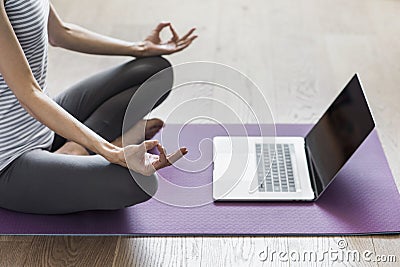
(72, 148)
(143, 130)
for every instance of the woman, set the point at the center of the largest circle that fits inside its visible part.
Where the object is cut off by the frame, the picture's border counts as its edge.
(45, 166)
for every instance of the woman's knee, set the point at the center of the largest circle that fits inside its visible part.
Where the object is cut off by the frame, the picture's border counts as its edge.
(166, 76)
(145, 187)
(150, 65)
(161, 80)
(158, 62)
(162, 69)
(162, 62)
(150, 186)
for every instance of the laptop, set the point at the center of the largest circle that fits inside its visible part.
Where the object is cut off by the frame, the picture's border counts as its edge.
(258, 168)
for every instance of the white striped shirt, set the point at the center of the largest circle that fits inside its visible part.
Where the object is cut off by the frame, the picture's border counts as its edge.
(19, 131)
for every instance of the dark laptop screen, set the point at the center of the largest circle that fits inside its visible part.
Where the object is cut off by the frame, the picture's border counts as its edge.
(339, 133)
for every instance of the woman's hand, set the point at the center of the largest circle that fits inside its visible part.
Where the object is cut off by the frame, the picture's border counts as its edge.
(154, 46)
(136, 157)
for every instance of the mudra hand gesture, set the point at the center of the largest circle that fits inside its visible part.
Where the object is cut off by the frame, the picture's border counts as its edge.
(154, 46)
(136, 157)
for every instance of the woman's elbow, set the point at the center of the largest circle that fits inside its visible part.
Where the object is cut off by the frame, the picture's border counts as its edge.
(58, 36)
(53, 42)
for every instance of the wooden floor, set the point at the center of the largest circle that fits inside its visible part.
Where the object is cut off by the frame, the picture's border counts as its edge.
(300, 53)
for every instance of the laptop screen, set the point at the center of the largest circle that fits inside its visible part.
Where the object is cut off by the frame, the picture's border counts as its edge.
(338, 134)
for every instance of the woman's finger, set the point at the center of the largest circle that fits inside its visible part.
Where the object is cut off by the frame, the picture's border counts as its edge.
(189, 39)
(162, 25)
(175, 36)
(162, 159)
(149, 169)
(163, 156)
(149, 144)
(153, 158)
(172, 158)
(180, 48)
(185, 44)
(187, 34)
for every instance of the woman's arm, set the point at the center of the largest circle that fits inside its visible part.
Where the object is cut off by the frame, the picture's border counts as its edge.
(75, 38)
(15, 70)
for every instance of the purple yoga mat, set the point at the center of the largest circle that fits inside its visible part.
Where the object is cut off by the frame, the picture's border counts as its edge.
(362, 200)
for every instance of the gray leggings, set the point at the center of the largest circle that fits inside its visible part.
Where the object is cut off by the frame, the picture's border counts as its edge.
(42, 182)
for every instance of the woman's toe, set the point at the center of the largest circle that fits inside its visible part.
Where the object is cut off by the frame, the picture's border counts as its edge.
(153, 126)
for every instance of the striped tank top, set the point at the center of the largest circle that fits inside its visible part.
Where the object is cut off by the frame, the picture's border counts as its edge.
(19, 131)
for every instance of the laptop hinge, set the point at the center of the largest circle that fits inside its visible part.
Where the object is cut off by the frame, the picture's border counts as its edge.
(315, 180)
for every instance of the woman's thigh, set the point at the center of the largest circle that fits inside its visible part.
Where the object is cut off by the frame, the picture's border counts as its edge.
(84, 98)
(46, 183)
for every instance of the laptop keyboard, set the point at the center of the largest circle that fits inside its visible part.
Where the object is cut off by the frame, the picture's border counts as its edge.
(275, 168)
